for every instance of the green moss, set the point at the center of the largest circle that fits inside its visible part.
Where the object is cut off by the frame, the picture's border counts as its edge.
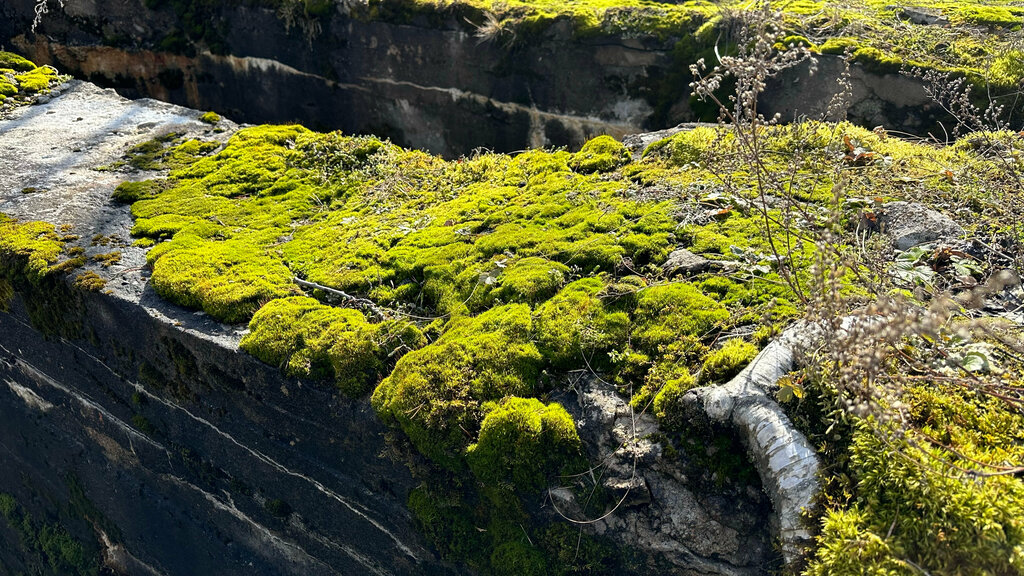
(530, 280)
(727, 361)
(448, 524)
(48, 547)
(518, 270)
(575, 324)
(665, 314)
(31, 248)
(600, 154)
(15, 62)
(437, 394)
(311, 340)
(518, 559)
(210, 118)
(988, 16)
(523, 441)
(839, 45)
(228, 279)
(130, 192)
(107, 260)
(668, 402)
(89, 281)
(36, 80)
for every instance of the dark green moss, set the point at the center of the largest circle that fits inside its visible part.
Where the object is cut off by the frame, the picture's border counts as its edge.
(523, 441)
(130, 192)
(437, 394)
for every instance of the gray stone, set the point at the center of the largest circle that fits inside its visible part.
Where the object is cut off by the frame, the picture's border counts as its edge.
(923, 16)
(673, 527)
(630, 492)
(637, 143)
(910, 224)
(685, 262)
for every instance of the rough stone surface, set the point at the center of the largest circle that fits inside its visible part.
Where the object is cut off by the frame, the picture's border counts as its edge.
(682, 261)
(910, 224)
(428, 83)
(678, 529)
(895, 101)
(922, 16)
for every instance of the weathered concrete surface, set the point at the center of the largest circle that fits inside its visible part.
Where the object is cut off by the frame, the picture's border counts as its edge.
(895, 101)
(687, 529)
(425, 81)
(176, 438)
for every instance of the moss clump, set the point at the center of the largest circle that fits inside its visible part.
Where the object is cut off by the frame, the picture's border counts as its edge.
(227, 279)
(210, 118)
(839, 45)
(31, 248)
(530, 280)
(724, 363)
(107, 260)
(665, 314)
(437, 394)
(575, 324)
(601, 154)
(989, 16)
(311, 340)
(89, 281)
(524, 441)
(668, 402)
(15, 62)
(131, 192)
(36, 80)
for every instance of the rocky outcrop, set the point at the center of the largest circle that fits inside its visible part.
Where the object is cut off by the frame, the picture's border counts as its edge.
(427, 83)
(910, 224)
(656, 509)
(424, 80)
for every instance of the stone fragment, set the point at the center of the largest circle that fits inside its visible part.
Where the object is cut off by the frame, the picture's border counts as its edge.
(632, 492)
(683, 261)
(922, 16)
(910, 224)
